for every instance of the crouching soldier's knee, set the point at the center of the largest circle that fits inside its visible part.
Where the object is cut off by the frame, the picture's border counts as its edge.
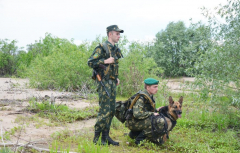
(158, 127)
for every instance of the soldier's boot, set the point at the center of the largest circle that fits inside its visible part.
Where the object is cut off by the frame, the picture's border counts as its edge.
(140, 138)
(134, 134)
(104, 138)
(108, 139)
(96, 136)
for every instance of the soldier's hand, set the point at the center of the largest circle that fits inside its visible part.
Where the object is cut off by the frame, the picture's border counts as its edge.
(159, 108)
(110, 60)
(156, 114)
(118, 81)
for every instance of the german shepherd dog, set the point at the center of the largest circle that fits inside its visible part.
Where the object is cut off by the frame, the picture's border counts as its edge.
(171, 113)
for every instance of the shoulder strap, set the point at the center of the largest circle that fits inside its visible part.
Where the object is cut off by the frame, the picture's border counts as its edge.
(138, 96)
(105, 47)
(149, 99)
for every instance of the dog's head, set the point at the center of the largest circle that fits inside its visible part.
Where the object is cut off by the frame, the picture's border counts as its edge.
(175, 108)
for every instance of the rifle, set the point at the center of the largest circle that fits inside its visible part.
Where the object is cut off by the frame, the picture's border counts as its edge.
(96, 75)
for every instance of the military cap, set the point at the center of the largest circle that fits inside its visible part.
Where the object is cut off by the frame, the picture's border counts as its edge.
(150, 81)
(114, 28)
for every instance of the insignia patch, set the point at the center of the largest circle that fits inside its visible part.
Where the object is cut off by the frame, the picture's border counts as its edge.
(95, 55)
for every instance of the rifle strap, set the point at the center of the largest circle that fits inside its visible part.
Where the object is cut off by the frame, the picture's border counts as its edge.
(105, 47)
(145, 96)
(108, 52)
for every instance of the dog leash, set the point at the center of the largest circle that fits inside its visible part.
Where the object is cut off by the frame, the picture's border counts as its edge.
(157, 130)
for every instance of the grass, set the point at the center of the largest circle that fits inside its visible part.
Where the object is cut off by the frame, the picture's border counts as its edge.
(77, 143)
(12, 131)
(62, 113)
(5, 150)
(181, 140)
(202, 128)
(34, 119)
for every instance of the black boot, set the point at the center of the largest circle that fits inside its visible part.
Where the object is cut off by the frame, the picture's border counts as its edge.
(109, 140)
(134, 134)
(104, 138)
(140, 138)
(96, 137)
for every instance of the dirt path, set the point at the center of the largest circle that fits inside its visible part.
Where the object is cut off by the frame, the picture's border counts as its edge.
(15, 95)
(178, 85)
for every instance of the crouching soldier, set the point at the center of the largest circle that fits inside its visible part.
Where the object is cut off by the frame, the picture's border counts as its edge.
(145, 121)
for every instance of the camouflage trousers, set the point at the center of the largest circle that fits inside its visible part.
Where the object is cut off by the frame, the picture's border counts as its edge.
(106, 105)
(145, 125)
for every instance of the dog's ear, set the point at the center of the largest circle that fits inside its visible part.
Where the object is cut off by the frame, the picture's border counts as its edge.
(170, 100)
(180, 100)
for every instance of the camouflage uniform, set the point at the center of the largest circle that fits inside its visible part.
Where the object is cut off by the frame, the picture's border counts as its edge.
(109, 78)
(141, 120)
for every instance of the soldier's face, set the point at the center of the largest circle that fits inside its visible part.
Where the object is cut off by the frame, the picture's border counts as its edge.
(152, 89)
(115, 36)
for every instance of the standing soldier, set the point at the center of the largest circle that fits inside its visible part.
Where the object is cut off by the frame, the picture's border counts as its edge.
(104, 61)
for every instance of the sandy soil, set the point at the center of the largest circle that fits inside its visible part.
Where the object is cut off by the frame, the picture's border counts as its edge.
(179, 84)
(15, 95)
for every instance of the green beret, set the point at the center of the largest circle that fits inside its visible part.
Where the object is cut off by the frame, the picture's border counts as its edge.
(114, 28)
(150, 81)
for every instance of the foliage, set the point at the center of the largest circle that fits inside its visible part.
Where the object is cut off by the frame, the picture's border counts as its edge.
(177, 48)
(219, 67)
(8, 57)
(59, 64)
(134, 68)
(54, 63)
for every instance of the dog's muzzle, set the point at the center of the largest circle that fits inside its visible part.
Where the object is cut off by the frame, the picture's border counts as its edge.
(178, 113)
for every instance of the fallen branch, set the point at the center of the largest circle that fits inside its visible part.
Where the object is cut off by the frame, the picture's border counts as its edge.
(15, 113)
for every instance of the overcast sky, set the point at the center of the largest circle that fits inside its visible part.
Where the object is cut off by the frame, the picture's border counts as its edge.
(29, 20)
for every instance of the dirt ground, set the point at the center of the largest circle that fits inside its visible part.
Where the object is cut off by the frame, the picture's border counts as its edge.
(15, 95)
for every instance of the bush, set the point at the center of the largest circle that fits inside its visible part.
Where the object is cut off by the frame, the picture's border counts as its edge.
(134, 68)
(62, 67)
(56, 63)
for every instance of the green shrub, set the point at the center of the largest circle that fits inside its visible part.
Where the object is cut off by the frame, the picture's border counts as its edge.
(134, 68)
(63, 67)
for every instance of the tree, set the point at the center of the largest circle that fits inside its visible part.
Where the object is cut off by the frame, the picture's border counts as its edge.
(8, 57)
(177, 47)
(219, 67)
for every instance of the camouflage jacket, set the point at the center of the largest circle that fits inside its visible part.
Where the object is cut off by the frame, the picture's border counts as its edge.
(142, 108)
(99, 55)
